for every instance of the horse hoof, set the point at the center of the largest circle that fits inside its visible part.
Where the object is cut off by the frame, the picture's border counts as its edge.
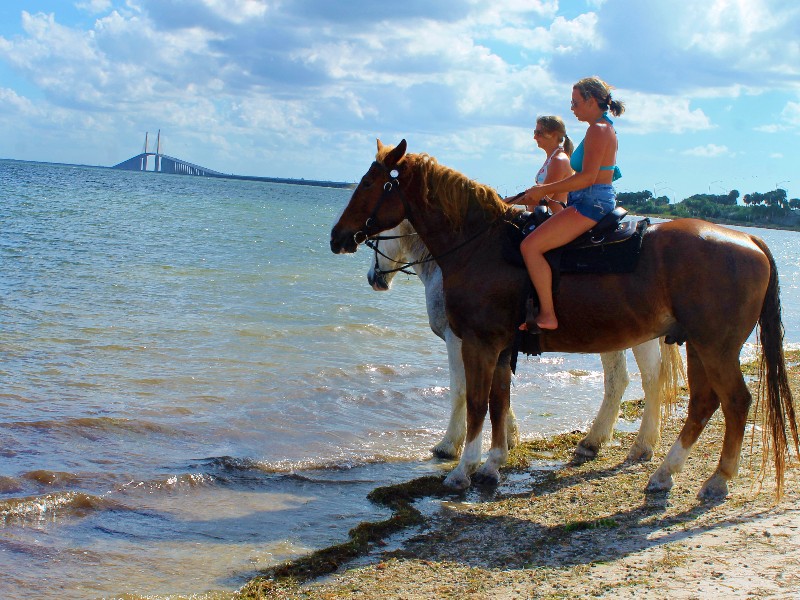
(486, 479)
(716, 488)
(586, 449)
(659, 483)
(445, 450)
(457, 481)
(640, 454)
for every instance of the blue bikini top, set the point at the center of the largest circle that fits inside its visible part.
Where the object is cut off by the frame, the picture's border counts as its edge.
(576, 160)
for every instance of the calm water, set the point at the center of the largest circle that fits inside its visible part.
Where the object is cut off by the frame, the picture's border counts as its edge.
(193, 387)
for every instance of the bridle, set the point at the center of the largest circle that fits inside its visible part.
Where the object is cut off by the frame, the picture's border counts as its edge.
(403, 268)
(392, 186)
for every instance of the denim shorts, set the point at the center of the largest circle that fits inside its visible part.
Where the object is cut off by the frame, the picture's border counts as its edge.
(595, 201)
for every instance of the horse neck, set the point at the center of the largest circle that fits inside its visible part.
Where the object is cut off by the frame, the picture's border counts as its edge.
(451, 248)
(418, 253)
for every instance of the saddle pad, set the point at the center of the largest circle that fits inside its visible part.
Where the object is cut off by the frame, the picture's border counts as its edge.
(616, 252)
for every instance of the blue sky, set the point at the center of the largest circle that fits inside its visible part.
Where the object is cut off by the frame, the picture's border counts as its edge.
(303, 88)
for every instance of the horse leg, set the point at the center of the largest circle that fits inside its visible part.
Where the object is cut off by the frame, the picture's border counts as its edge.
(479, 367)
(499, 402)
(450, 446)
(703, 402)
(736, 399)
(648, 357)
(615, 380)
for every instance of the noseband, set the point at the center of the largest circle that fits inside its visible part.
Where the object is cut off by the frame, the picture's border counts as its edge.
(403, 268)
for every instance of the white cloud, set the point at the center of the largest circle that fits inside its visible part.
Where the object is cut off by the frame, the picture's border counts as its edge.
(708, 151)
(465, 78)
(94, 6)
(648, 113)
(791, 113)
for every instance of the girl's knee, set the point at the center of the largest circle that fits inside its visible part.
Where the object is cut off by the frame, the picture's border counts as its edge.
(530, 247)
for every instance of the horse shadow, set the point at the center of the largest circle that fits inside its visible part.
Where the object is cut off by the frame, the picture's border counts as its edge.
(565, 540)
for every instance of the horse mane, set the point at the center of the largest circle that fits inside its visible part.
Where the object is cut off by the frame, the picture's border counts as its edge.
(454, 190)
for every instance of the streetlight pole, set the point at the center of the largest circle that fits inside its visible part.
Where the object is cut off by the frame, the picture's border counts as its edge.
(655, 187)
(712, 183)
(778, 185)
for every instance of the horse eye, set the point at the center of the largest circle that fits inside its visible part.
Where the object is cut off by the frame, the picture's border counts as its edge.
(366, 181)
(394, 173)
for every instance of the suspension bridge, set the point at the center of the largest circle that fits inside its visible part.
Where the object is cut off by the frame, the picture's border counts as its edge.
(162, 163)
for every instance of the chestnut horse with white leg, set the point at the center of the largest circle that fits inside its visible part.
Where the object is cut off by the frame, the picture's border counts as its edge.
(400, 248)
(694, 281)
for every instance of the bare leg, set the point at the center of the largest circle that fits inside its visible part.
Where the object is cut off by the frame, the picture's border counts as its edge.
(561, 228)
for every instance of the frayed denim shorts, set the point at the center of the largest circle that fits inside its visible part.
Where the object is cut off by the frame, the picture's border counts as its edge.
(595, 201)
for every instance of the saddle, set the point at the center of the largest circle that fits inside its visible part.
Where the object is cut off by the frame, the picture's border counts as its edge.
(611, 246)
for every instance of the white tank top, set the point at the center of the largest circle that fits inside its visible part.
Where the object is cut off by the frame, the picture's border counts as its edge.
(542, 174)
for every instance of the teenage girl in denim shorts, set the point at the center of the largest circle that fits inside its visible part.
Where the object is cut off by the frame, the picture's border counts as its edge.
(591, 195)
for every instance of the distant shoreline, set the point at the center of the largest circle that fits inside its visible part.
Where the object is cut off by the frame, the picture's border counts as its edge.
(760, 225)
(284, 180)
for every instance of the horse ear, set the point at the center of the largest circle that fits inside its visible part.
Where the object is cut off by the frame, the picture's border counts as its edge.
(380, 145)
(396, 154)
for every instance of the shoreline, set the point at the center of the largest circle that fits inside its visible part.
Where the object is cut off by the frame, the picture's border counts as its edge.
(776, 226)
(581, 528)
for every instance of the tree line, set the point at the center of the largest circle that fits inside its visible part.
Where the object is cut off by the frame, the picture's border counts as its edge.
(768, 207)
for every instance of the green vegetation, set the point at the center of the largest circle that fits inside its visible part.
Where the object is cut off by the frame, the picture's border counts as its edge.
(770, 209)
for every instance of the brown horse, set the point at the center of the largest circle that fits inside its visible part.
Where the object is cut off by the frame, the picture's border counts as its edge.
(694, 281)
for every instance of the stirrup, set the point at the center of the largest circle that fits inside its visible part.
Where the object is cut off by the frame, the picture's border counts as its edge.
(531, 312)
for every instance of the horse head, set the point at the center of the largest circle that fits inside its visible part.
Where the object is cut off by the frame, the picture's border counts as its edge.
(393, 253)
(377, 203)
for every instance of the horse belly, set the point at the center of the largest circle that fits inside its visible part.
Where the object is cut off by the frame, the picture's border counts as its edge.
(603, 313)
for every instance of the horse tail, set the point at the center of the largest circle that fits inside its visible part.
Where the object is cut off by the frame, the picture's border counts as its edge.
(778, 406)
(670, 376)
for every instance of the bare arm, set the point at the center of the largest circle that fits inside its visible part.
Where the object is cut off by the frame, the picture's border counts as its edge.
(596, 144)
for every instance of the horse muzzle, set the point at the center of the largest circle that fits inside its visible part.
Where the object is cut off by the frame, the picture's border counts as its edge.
(377, 281)
(343, 242)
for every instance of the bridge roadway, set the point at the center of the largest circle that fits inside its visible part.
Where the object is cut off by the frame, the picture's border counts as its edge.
(169, 164)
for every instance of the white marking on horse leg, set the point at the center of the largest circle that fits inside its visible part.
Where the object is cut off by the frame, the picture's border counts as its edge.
(490, 470)
(615, 371)
(450, 446)
(648, 357)
(459, 478)
(662, 480)
(512, 429)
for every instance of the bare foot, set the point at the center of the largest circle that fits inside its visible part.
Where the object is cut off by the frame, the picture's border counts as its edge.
(547, 322)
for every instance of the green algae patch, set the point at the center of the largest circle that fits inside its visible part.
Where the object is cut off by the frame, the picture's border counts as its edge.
(278, 580)
(606, 523)
(559, 448)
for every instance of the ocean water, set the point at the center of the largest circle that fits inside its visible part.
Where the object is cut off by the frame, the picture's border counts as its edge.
(193, 387)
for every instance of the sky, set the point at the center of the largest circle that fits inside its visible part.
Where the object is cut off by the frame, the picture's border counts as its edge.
(303, 88)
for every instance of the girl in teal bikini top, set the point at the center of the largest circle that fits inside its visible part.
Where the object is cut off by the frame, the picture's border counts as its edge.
(576, 160)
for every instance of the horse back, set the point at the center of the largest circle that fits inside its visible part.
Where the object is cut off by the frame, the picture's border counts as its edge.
(694, 280)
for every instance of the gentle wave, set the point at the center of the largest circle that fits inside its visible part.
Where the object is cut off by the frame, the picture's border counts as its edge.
(102, 424)
(56, 505)
(306, 468)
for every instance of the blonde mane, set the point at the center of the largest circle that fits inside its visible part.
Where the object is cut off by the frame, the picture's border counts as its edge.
(454, 190)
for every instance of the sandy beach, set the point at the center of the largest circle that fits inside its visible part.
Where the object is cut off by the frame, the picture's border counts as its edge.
(587, 529)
